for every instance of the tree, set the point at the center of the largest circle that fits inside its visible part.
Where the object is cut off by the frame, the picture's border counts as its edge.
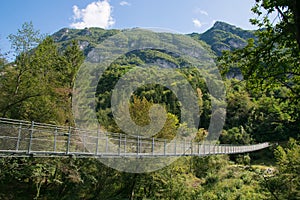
(2, 60)
(288, 14)
(38, 85)
(274, 58)
(73, 58)
(239, 105)
(139, 110)
(14, 75)
(235, 135)
(285, 183)
(204, 166)
(28, 85)
(270, 64)
(25, 40)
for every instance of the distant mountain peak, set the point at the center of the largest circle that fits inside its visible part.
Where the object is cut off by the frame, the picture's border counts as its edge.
(223, 36)
(224, 26)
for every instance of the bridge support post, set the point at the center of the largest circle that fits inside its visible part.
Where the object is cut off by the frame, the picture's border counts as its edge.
(184, 146)
(175, 148)
(138, 146)
(69, 141)
(97, 142)
(165, 146)
(152, 146)
(30, 137)
(106, 144)
(141, 145)
(120, 138)
(19, 137)
(125, 141)
(55, 138)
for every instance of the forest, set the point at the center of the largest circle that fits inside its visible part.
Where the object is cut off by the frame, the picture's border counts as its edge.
(261, 73)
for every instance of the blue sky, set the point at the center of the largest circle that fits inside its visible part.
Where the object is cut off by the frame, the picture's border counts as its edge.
(183, 16)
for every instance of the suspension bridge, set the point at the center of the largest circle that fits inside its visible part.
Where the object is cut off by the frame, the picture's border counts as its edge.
(30, 139)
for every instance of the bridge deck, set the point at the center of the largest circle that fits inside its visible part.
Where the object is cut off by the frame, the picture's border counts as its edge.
(22, 139)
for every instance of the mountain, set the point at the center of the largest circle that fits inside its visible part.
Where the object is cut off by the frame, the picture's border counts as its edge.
(223, 36)
(87, 38)
(220, 37)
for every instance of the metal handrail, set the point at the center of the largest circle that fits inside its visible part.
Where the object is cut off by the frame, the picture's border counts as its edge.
(24, 138)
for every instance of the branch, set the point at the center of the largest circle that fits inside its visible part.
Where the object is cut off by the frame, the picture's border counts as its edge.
(4, 110)
(285, 19)
(290, 88)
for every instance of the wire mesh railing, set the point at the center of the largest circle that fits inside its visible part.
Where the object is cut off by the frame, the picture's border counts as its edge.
(23, 138)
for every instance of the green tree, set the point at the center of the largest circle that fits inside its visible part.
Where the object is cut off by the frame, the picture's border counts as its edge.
(29, 87)
(38, 85)
(274, 58)
(12, 77)
(285, 183)
(204, 166)
(235, 135)
(2, 60)
(288, 11)
(239, 105)
(273, 119)
(73, 58)
(25, 39)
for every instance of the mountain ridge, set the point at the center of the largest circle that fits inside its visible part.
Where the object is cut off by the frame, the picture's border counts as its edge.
(221, 36)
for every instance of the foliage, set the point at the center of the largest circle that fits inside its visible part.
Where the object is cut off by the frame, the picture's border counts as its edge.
(285, 184)
(38, 84)
(71, 178)
(274, 59)
(239, 104)
(25, 40)
(235, 135)
(2, 60)
(270, 68)
(154, 93)
(208, 165)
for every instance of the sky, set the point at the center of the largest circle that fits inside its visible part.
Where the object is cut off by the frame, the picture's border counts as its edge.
(183, 16)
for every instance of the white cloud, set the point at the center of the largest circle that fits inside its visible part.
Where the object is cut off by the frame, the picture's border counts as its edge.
(124, 3)
(96, 14)
(200, 11)
(77, 13)
(203, 12)
(197, 23)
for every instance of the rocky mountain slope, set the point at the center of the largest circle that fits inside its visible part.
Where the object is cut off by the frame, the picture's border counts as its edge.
(220, 37)
(223, 36)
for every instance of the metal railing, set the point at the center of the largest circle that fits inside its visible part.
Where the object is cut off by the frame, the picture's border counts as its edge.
(23, 138)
